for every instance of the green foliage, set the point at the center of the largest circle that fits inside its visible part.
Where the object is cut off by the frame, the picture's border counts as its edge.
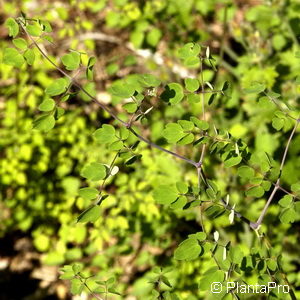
(91, 214)
(57, 87)
(12, 57)
(93, 171)
(13, 27)
(234, 134)
(72, 61)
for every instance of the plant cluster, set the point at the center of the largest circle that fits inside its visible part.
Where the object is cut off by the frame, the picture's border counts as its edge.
(184, 186)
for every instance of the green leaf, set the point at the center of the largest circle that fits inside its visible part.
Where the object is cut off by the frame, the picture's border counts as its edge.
(34, 30)
(44, 123)
(214, 211)
(105, 134)
(122, 90)
(92, 214)
(192, 62)
(93, 171)
(277, 123)
(295, 187)
(71, 61)
(124, 133)
(182, 187)
(232, 161)
(130, 107)
(136, 38)
(132, 159)
(186, 125)
(20, 43)
(91, 62)
(255, 191)
(76, 286)
(255, 88)
(165, 194)
(288, 215)
(187, 139)
(114, 292)
(29, 56)
(90, 66)
(46, 26)
(115, 146)
(149, 80)
(210, 276)
(236, 255)
(226, 89)
(47, 105)
(189, 249)
(173, 93)
(67, 275)
(153, 36)
(200, 236)
(189, 50)
(76, 268)
(192, 84)
(57, 87)
(285, 201)
(12, 57)
(245, 172)
(88, 193)
(59, 112)
(165, 280)
(203, 125)
(272, 264)
(13, 27)
(173, 132)
(179, 203)
(297, 81)
(193, 98)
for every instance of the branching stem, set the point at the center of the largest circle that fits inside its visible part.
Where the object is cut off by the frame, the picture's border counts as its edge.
(113, 115)
(276, 186)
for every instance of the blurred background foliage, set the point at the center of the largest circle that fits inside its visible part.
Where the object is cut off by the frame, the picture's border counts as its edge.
(39, 172)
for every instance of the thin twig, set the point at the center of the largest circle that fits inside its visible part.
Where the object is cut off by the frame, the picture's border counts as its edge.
(113, 115)
(276, 187)
(92, 293)
(237, 214)
(279, 107)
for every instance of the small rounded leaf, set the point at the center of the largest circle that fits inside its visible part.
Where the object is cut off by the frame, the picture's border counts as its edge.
(91, 214)
(88, 193)
(105, 134)
(12, 57)
(13, 27)
(255, 191)
(173, 93)
(165, 194)
(44, 123)
(47, 105)
(188, 250)
(93, 171)
(57, 87)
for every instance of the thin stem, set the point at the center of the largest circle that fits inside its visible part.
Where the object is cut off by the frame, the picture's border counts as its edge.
(276, 187)
(113, 115)
(91, 292)
(199, 168)
(109, 171)
(237, 214)
(279, 107)
(162, 149)
(208, 92)
(202, 89)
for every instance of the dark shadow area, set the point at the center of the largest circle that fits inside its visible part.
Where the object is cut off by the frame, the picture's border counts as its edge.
(19, 260)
